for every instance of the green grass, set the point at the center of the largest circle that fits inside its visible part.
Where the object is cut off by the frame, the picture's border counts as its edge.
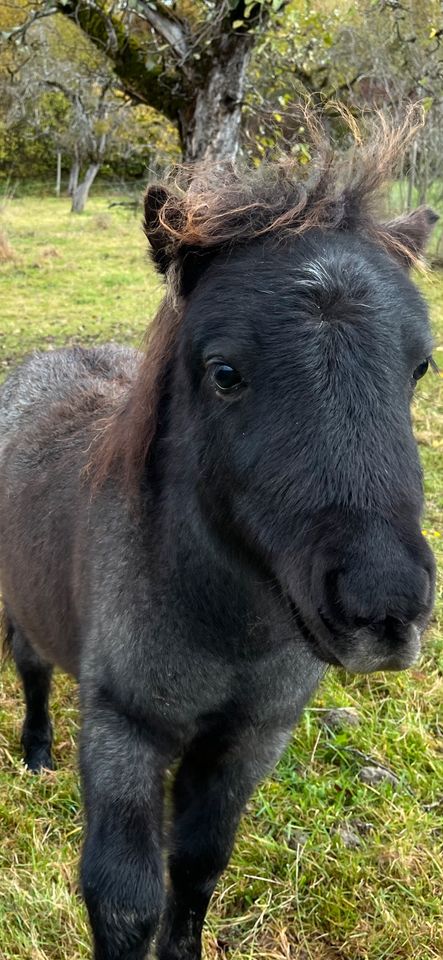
(294, 888)
(74, 279)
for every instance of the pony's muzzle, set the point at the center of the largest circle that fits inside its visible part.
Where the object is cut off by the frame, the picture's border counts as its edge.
(387, 645)
(375, 605)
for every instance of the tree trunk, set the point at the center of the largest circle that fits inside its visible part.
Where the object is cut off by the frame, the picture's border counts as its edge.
(59, 173)
(198, 84)
(81, 192)
(412, 173)
(423, 177)
(210, 124)
(74, 174)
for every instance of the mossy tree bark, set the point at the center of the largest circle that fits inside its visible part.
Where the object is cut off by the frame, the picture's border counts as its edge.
(194, 76)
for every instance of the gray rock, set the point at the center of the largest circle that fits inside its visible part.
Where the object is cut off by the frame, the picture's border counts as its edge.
(363, 827)
(349, 837)
(297, 839)
(339, 717)
(374, 775)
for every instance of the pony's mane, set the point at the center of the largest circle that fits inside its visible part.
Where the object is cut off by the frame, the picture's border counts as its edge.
(217, 204)
(211, 207)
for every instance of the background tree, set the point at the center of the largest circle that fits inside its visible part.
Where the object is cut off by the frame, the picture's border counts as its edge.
(400, 58)
(211, 78)
(187, 60)
(59, 98)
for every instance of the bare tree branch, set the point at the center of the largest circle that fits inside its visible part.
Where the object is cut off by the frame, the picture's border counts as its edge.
(168, 27)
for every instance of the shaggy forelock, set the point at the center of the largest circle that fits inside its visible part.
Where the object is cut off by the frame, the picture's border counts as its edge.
(214, 205)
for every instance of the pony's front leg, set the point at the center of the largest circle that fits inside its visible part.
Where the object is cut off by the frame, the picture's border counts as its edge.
(213, 784)
(121, 872)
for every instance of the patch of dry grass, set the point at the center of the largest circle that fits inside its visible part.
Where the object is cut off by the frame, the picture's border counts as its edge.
(7, 253)
(102, 221)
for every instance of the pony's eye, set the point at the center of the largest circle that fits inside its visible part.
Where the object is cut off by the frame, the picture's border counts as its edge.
(226, 378)
(422, 368)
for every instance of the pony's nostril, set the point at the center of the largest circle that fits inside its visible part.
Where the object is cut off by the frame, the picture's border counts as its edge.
(384, 610)
(391, 629)
(395, 630)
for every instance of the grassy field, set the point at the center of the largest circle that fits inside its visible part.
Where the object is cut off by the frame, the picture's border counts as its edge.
(327, 866)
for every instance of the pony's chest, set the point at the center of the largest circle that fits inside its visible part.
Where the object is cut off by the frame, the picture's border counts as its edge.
(279, 684)
(255, 691)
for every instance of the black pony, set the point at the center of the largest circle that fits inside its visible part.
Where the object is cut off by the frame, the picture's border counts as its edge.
(197, 533)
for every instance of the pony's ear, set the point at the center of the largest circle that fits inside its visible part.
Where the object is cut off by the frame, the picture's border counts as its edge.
(164, 218)
(411, 232)
(162, 207)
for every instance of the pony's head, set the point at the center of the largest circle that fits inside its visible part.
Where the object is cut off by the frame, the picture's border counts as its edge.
(290, 345)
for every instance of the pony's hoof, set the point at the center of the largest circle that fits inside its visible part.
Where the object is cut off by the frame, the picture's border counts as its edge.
(36, 761)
